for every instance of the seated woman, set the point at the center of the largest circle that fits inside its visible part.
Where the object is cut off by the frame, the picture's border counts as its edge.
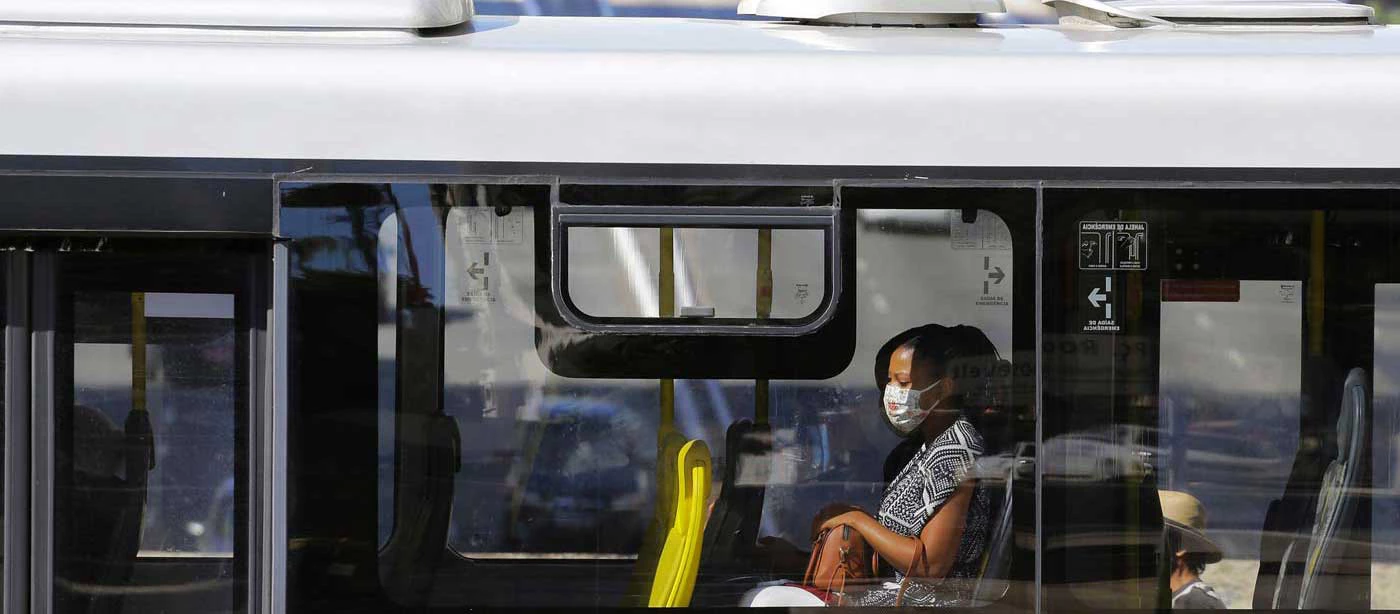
(936, 380)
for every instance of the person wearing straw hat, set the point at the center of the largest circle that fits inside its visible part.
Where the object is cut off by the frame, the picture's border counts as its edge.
(1185, 521)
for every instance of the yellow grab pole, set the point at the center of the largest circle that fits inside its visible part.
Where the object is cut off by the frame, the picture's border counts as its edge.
(666, 307)
(1317, 251)
(138, 351)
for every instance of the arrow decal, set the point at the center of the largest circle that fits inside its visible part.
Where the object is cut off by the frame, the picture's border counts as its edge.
(1098, 296)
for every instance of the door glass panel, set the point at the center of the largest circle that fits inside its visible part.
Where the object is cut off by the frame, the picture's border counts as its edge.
(150, 410)
(1220, 371)
(487, 480)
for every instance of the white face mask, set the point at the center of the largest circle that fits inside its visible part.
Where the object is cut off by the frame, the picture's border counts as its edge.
(902, 407)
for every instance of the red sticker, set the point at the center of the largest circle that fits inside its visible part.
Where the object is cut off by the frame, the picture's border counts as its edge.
(1200, 290)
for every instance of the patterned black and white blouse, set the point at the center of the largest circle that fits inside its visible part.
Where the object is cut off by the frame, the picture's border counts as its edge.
(915, 495)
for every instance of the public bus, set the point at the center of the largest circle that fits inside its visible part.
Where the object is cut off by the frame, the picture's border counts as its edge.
(317, 306)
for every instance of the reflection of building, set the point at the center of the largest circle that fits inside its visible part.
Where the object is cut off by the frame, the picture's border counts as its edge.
(1230, 399)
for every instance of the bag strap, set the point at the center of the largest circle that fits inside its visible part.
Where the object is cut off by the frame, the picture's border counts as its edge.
(919, 563)
(818, 545)
(840, 573)
(843, 567)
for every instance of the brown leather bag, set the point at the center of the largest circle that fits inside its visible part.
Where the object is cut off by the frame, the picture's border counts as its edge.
(839, 556)
(837, 560)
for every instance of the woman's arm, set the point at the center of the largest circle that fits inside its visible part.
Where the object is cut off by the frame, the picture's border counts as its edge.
(941, 536)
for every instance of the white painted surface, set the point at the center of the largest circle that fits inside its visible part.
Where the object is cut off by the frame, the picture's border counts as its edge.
(242, 13)
(618, 90)
(1248, 9)
(1138, 13)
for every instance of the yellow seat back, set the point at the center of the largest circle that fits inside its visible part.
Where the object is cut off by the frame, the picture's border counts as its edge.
(679, 561)
(663, 517)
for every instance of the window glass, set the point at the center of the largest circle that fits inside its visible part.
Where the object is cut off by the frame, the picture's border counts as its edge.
(715, 271)
(188, 341)
(1218, 397)
(549, 466)
(544, 491)
(1385, 452)
(150, 396)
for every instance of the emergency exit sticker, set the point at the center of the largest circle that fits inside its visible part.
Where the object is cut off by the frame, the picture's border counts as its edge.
(1112, 246)
(1100, 308)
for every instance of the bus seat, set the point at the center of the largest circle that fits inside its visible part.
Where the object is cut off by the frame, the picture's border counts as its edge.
(1338, 500)
(679, 561)
(107, 511)
(1304, 540)
(423, 507)
(732, 530)
(669, 446)
(994, 581)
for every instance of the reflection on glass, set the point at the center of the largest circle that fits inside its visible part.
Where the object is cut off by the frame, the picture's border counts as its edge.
(613, 272)
(1385, 452)
(1231, 376)
(1236, 382)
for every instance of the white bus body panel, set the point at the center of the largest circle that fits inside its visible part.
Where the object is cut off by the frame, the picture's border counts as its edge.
(242, 13)
(617, 90)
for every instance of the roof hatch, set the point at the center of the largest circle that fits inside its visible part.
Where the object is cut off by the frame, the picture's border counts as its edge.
(349, 14)
(1142, 13)
(874, 12)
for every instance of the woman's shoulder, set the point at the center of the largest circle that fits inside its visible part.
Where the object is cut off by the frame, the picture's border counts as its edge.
(962, 434)
(953, 452)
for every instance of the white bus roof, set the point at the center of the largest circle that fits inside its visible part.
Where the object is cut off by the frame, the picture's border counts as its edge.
(656, 91)
(373, 14)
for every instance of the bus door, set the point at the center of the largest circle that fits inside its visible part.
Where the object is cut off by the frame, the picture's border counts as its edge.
(602, 394)
(136, 313)
(1219, 344)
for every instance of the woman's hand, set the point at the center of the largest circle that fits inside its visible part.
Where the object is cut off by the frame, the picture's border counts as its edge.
(941, 536)
(852, 518)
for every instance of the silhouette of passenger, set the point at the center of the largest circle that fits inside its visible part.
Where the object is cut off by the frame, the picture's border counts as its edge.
(1185, 521)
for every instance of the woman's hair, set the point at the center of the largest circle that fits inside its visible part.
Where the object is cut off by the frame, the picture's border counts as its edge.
(963, 352)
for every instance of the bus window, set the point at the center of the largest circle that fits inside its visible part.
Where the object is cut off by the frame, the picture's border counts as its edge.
(1230, 384)
(1212, 436)
(464, 472)
(151, 394)
(722, 260)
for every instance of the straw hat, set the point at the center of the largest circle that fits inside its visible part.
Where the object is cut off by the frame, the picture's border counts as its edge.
(1185, 513)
